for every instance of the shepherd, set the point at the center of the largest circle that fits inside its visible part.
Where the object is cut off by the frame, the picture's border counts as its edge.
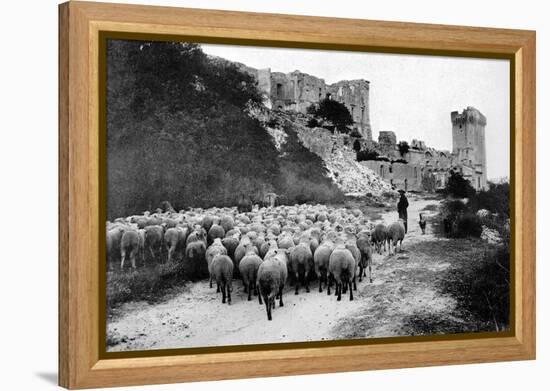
(402, 206)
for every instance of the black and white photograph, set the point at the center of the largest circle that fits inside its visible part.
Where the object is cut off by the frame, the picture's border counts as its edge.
(268, 195)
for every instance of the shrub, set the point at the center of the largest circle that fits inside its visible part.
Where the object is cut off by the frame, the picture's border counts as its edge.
(333, 111)
(467, 225)
(366, 155)
(457, 186)
(496, 199)
(313, 123)
(403, 147)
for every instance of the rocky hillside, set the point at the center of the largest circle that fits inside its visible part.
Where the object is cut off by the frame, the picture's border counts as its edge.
(351, 177)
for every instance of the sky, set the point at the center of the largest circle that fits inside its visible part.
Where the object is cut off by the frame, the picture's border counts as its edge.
(412, 95)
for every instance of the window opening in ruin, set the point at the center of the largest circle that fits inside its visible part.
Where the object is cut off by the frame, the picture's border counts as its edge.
(279, 90)
(391, 169)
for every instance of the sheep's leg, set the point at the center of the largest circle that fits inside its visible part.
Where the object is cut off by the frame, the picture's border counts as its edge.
(329, 281)
(306, 280)
(320, 282)
(351, 291)
(228, 293)
(339, 290)
(133, 258)
(260, 296)
(122, 259)
(354, 283)
(223, 292)
(370, 272)
(249, 291)
(267, 307)
(297, 283)
(281, 296)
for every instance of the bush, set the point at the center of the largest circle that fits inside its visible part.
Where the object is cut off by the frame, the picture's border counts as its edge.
(313, 123)
(333, 111)
(366, 155)
(403, 147)
(457, 186)
(496, 199)
(467, 225)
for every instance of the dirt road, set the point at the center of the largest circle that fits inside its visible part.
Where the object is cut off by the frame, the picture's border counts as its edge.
(402, 288)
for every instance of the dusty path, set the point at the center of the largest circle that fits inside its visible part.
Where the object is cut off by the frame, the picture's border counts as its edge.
(196, 317)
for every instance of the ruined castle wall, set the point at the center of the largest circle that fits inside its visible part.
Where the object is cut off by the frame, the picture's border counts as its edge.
(354, 94)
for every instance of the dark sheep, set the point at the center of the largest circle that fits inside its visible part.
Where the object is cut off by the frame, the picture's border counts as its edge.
(248, 268)
(270, 285)
(342, 270)
(215, 231)
(379, 237)
(321, 258)
(222, 270)
(363, 244)
(166, 206)
(301, 261)
(153, 240)
(244, 204)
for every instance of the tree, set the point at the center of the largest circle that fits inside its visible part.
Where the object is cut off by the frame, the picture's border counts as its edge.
(403, 147)
(335, 112)
(367, 154)
(458, 186)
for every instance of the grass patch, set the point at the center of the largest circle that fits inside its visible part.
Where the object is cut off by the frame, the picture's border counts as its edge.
(150, 283)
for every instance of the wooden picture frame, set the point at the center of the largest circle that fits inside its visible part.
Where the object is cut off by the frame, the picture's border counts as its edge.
(81, 364)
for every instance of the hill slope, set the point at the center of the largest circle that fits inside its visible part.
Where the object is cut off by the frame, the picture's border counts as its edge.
(179, 128)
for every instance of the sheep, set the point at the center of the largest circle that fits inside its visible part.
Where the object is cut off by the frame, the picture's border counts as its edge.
(222, 270)
(242, 249)
(244, 204)
(207, 222)
(363, 244)
(214, 249)
(129, 247)
(153, 240)
(270, 284)
(174, 239)
(195, 254)
(379, 236)
(198, 234)
(354, 250)
(342, 269)
(280, 257)
(227, 222)
(248, 268)
(112, 245)
(285, 241)
(422, 223)
(396, 234)
(301, 259)
(321, 258)
(215, 231)
(231, 243)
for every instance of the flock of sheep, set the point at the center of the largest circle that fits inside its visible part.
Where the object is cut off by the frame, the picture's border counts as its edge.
(263, 246)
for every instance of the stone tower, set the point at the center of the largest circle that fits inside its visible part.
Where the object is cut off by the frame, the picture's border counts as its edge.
(469, 145)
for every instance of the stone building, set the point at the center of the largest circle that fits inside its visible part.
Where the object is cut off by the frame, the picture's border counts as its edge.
(469, 145)
(425, 168)
(297, 91)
